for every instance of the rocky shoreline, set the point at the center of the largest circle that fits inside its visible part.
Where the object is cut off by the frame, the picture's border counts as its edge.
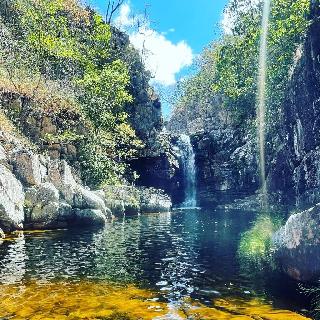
(38, 192)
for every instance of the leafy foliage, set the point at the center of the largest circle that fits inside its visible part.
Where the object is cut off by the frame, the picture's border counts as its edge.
(230, 65)
(60, 53)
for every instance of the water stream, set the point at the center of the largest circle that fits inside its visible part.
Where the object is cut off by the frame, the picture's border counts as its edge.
(262, 80)
(187, 162)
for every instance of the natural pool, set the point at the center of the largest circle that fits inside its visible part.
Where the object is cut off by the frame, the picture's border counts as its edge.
(179, 265)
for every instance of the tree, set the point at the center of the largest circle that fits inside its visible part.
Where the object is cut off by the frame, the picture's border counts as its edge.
(113, 7)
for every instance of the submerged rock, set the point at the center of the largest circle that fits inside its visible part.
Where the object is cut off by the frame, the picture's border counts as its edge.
(297, 245)
(11, 201)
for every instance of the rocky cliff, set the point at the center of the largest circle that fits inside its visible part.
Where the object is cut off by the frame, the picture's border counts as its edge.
(294, 171)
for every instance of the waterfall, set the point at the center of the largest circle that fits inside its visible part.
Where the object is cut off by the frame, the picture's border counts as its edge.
(187, 161)
(262, 79)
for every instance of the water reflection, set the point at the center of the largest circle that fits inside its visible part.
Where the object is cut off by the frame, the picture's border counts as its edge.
(14, 255)
(181, 255)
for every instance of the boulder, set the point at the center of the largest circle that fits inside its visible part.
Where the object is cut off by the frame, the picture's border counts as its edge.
(86, 199)
(134, 200)
(11, 201)
(27, 167)
(62, 178)
(89, 217)
(44, 208)
(152, 200)
(297, 245)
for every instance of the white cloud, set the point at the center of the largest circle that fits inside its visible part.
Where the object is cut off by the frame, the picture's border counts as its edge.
(123, 19)
(162, 57)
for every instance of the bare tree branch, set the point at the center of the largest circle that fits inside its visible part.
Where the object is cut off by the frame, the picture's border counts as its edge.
(113, 6)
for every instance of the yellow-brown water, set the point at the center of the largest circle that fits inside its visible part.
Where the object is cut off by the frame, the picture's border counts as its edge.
(90, 300)
(179, 265)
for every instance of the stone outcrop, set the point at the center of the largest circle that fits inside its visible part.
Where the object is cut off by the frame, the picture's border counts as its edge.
(44, 126)
(226, 164)
(12, 200)
(297, 245)
(135, 200)
(38, 192)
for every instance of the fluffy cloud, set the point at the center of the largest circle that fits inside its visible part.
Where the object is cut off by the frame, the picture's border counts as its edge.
(163, 58)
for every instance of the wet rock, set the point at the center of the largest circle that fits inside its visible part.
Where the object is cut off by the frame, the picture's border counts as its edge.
(89, 217)
(152, 200)
(11, 201)
(297, 245)
(135, 200)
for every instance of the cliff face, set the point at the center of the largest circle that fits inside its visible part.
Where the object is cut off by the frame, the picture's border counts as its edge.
(226, 158)
(295, 170)
(226, 164)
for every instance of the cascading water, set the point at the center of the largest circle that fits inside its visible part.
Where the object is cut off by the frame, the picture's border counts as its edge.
(262, 79)
(187, 161)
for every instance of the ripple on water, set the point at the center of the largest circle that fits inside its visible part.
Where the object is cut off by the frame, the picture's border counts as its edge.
(183, 264)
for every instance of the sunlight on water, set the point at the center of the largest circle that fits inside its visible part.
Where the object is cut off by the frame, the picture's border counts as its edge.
(262, 79)
(92, 300)
(179, 265)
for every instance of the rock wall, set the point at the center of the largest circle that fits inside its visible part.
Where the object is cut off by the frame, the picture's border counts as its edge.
(295, 169)
(158, 166)
(226, 164)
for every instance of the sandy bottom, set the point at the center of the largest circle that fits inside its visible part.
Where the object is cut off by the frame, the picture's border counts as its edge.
(105, 301)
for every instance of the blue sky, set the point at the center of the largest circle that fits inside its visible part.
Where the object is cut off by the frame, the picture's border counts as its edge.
(176, 33)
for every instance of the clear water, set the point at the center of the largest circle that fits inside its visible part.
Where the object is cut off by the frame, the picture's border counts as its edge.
(178, 255)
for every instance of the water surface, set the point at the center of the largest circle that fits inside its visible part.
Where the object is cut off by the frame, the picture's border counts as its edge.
(164, 263)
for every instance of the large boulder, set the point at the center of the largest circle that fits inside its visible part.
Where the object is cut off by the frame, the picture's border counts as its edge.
(28, 168)
(152, 200)
(11, 201)
(297, 245)
(43, 208)
(89, 217)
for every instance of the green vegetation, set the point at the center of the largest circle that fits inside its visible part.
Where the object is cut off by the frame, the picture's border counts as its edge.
(64, 60)
(255, 244)
(227, 75)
